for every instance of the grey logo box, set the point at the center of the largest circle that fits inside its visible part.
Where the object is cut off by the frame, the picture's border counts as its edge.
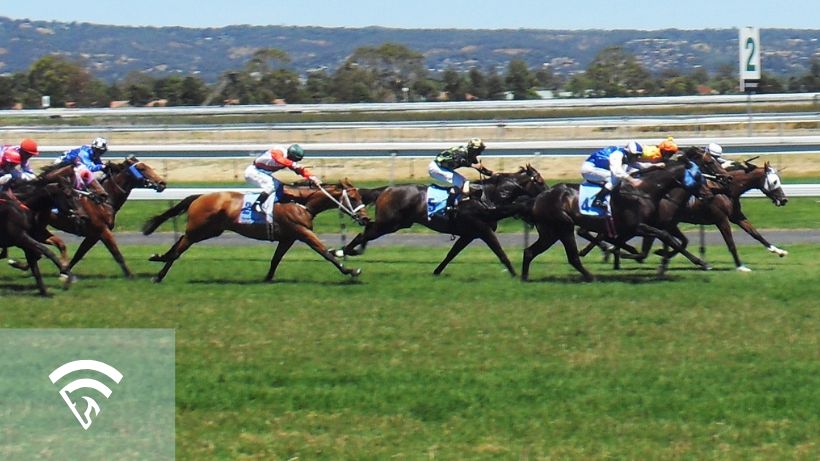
(136, 421)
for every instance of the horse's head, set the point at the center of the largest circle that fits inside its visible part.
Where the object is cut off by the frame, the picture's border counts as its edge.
(772, 186)
(349, 200)
(533, 183)
(138, 173)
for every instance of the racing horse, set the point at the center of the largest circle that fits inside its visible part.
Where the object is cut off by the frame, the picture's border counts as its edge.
(501, 196)
(120, 179)
(634, 209)
(209, 215)
(724, 208)
(22, 217)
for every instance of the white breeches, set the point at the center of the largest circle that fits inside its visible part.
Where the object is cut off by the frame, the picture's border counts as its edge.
(261, 178)
(448, 176)
(597, 175)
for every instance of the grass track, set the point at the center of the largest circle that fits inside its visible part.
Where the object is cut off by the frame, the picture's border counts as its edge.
(471, 365)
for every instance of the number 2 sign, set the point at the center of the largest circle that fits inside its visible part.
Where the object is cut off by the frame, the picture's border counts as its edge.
(749, 40)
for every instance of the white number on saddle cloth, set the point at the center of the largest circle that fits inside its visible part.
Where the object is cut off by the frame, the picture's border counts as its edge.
(586, 195)
(249, 216)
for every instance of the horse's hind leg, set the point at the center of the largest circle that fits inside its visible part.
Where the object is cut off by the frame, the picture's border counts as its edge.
(172, 255)
(460, 244)
(281, 249)
(571, 249)
(31, 258)
(546, 237)
(489, 237)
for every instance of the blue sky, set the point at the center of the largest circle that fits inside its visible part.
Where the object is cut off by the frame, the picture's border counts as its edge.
(462, 14)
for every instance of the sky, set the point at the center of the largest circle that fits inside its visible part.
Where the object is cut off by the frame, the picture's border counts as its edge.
(432, 14)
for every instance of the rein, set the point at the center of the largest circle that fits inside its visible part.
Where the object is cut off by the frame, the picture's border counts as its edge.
(347, 207)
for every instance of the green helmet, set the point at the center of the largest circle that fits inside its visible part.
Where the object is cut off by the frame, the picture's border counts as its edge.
(296, 153)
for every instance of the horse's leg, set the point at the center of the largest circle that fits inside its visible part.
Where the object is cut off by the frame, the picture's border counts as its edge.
(306, 235)
(51, 240)
(726, 231)
(172, 255)
(460, 244)
(750, 229)
(546, 237)
(281, 249)
(110, 242)
(489, 237)
(665, 237)
(85, 245)
(31, 258)
(571, 249)
(372, 231)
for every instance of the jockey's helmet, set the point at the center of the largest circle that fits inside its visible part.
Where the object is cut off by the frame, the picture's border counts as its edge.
(296, 153)
(668, 146)
(476, 145)
(99, 146)
(634, 148)
(29, 146)
(12, 157)
(651, 154)
(714, 149)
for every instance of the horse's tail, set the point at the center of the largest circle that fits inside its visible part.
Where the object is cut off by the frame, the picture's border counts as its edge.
(176, 210)
(370, 195)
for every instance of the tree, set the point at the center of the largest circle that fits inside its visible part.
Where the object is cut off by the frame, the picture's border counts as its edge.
(392, 67)
(615, 72)
(63, 81)
(317, 87)
(476, 83)
(520, 80)
(351, 83)
(495, 85)
(138, 88)
(454, 85)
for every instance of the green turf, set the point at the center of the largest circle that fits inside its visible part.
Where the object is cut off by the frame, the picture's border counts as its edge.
(800, 213)
(470, 365)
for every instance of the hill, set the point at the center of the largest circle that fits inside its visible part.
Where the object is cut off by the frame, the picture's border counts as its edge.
(114, 51)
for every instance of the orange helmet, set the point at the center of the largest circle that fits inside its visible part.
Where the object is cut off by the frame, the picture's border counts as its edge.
(12, 156)
(29, 146)
(668, 145)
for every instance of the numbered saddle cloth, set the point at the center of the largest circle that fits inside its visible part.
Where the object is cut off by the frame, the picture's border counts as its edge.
(437, 200)
(251, 216)
(586, 195)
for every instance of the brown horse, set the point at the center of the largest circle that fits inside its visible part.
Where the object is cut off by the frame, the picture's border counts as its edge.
(22, 217)
(119, 181)
(210, 215)
(501, 196)
(725, 207)
(634, 209)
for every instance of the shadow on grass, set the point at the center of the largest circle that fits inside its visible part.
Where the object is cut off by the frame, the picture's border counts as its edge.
(606, 278)
(256, 282)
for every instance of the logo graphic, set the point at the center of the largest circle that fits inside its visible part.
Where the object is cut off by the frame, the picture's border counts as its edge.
(91, 405)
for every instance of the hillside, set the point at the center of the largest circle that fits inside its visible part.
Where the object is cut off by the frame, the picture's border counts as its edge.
(113, 51)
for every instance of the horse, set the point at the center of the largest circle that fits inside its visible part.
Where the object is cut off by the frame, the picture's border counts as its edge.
(725, 207)
(501, 196)
(634, 209)
(22, 214)
(120, 179)
(209, 215)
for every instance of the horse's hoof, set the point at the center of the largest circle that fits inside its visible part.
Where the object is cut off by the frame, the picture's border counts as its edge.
(65, 280)
(156, 279)
(356, 272)
(339, 253)
(706, 267)
(743, 269)
(155, 257)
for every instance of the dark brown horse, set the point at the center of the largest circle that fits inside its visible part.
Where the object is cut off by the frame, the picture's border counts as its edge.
(634, 208)
(22, 217)
(119, 181)
(210, 215)
(724, 208)
(501, 196)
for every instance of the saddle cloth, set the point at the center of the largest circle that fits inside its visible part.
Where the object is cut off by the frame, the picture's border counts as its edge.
(249, 216)
(586, 195)
(437, 200)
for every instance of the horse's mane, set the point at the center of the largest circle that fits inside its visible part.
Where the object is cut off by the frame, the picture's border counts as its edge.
(115, 168)
(52, 168)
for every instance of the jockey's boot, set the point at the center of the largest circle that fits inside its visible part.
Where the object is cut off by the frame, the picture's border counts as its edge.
(450, 208)
(600, 199)
(257, 205)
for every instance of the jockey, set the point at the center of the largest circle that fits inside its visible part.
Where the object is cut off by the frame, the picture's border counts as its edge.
(668, 147)
(86, 157)
(716, 151)
(608, 167)
(14, 157)
(260, 173)
(443, 166)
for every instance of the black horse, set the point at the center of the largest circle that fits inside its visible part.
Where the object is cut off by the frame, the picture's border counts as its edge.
(501, 196)
(635, 212)
(23, 217)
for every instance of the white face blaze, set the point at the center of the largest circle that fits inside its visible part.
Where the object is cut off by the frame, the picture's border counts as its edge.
(772, 181)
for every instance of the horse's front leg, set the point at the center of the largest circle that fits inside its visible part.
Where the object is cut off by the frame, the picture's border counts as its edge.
(304, 234)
